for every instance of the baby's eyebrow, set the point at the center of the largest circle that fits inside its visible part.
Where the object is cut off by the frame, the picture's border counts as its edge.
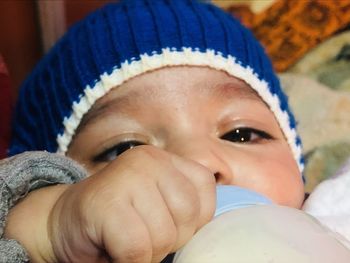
(99, 110)
(237, 90)
(226, 91)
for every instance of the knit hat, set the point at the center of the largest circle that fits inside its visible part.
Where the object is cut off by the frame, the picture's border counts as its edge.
(123, 40)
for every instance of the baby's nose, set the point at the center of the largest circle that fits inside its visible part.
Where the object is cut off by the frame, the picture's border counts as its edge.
(206, 155)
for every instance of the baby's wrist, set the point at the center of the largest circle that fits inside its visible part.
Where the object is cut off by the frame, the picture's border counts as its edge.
(28, 222)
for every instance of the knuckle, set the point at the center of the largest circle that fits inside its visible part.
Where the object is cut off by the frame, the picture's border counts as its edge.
(148, 152)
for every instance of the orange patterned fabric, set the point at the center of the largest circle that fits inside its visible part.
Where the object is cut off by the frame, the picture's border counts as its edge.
(288, 29)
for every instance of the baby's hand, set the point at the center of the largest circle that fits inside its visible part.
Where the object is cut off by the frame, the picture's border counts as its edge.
(139, 208)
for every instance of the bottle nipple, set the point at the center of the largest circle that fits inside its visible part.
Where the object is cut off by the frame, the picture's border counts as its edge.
(230, 197)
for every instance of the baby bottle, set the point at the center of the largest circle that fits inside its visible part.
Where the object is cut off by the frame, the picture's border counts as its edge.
(249, 228)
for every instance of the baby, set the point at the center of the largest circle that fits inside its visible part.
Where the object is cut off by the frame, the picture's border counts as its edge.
(159, 101)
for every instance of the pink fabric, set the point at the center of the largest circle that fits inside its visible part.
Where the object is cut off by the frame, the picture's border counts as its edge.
(6, 106)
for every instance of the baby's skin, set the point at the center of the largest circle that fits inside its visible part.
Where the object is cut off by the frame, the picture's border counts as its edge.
(155, 148)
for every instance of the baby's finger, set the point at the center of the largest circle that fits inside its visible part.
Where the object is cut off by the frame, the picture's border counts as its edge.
(183, 203)
(204, 182)
(126, 237)
(152, 208)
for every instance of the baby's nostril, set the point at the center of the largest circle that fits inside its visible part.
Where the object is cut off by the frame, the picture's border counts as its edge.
(217, 176)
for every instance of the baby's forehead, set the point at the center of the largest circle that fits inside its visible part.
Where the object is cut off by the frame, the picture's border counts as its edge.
(196, 85)
(202, 81)
(177, 82)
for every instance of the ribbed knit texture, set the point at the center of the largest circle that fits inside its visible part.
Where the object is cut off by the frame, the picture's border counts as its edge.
(22, 174)
(112, 38)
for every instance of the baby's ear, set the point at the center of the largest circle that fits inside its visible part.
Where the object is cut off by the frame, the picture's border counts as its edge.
(6, 106)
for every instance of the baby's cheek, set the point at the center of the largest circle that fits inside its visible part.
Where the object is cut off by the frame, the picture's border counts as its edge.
(285, 182)
(290, 195)
(273, 172)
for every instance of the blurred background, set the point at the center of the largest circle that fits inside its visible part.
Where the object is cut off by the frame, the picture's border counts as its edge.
(307, 40)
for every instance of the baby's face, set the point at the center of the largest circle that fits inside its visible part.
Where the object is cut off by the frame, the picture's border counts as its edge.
(198, 113)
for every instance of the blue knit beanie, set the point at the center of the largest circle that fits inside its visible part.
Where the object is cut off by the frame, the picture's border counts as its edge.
(123, 40)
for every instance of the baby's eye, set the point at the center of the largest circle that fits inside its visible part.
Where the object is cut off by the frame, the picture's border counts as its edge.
(246, 135)
(112, 153)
